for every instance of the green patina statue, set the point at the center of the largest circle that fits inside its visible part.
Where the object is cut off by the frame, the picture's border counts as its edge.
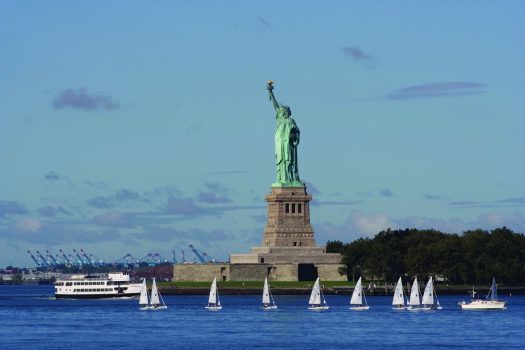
(286, 141)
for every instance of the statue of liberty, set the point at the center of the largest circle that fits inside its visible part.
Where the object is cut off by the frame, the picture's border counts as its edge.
(286, 141)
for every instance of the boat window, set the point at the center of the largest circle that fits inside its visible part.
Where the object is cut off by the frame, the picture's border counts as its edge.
(68, 284)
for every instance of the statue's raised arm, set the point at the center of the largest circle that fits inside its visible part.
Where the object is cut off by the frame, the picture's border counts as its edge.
(272, 97)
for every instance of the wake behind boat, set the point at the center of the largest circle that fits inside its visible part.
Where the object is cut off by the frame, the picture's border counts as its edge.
(214, 303)
(267, 299)
(358, 300)
(484, 304)
(112, 285)
(317, 301)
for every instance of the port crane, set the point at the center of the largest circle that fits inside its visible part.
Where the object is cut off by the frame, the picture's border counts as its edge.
(75, 260)
(202, 256)
(174, 257)
(128, 260)
(81, 261)
(37, 262)
(51, 258)
(153, 259)
(64, 256)
(96, 260)
(208, 258)
(201, 259)
(44, 260)
(86, 257)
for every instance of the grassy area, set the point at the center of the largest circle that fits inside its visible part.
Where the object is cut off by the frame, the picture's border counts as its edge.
(255, 284)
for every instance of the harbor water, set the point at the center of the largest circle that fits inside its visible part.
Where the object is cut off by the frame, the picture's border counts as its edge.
(30, 318)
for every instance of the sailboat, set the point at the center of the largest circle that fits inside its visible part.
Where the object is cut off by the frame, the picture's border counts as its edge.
(317, 300)
(414, 303)
(398, 301)
(430, 300)
(143, 300)
(267, 299)
(488, 304)
(358, 300)
(155, 302)
(214, 303)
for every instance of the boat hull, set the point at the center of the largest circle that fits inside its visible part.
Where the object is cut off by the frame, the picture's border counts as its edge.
(267, 308)
(96, 296)
(318, 308)
(413, 308)
(159, 307)
(213, 308)
(431, 308)
(399, 308)
(360, 308)
(483, 305)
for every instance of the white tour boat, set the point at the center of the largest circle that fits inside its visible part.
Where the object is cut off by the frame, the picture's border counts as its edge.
(214, 303)
(430, 300)
(112, 285)
(398, 302)
(414, 302)
(484, 304)
(267, 299)
(358, 300)
(317, 300)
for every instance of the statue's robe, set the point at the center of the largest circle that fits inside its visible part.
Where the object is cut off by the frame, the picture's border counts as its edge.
(286, 132)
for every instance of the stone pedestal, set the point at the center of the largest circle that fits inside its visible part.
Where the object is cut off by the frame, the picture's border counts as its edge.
(288, 222)
(288, 246)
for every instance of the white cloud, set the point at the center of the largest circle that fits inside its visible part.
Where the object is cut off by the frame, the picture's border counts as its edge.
(369, 224)
(28, 225)
(359, 224)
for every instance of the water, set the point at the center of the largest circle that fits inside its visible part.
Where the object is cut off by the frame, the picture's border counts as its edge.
(31, 319)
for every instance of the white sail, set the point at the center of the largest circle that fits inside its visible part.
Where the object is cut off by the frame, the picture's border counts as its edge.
(414, 294)
(315, 297)
(213, 292)
(266, 293)
(493, 290)
(357, 295)
(143, 293)
(154, 294)
(428, 294)
(399, 297)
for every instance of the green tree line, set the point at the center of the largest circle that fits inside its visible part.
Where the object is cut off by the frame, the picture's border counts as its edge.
(472, 257)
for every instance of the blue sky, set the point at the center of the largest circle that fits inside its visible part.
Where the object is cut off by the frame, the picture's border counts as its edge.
(140, 127)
